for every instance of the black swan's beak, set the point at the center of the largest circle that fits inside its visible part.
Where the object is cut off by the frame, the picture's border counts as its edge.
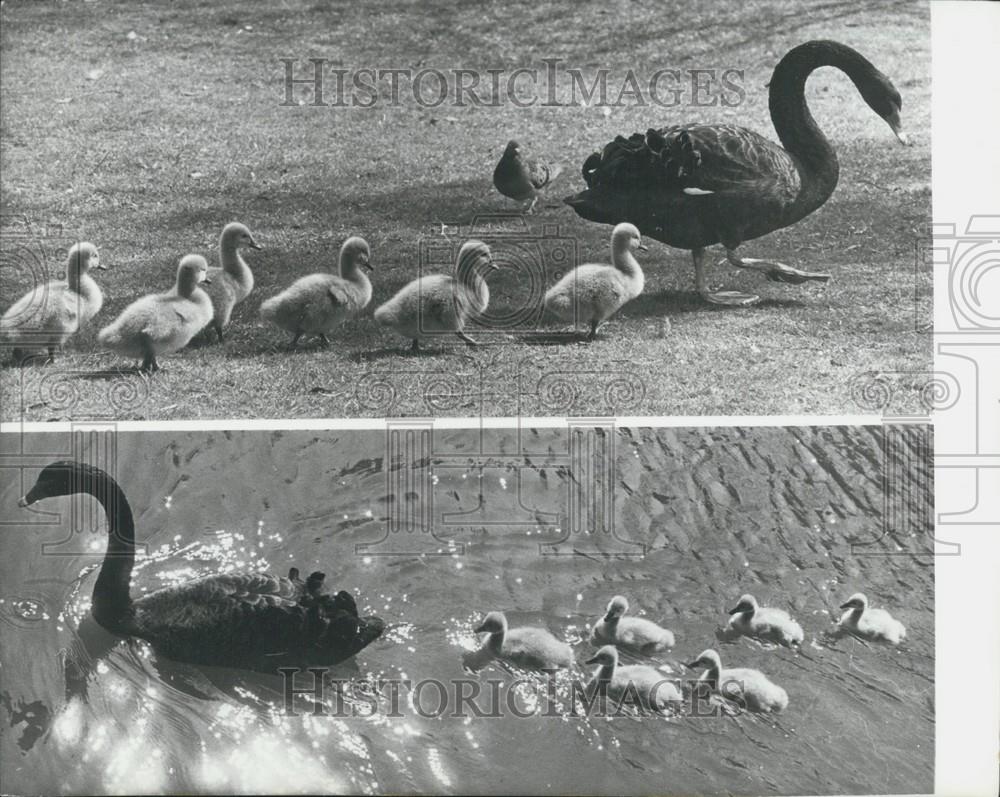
(692, 666)
(479, 629)
(735, 610)
(592, 660)
(28, 498)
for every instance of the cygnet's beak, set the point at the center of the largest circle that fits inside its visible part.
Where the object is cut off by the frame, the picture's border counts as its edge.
(206, 281)
(254, 245)
(23, 501)
(368, 265)
(494, 266)
(642, 247)
(101, 267)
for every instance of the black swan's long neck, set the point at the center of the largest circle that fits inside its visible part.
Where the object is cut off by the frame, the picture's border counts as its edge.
(111, 601)
(798, 131)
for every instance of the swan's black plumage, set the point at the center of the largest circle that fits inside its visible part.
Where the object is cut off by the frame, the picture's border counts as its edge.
(693, 186)
(250, 620)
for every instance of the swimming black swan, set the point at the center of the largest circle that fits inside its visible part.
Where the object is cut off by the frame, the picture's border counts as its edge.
(692, 186)
(253, 621)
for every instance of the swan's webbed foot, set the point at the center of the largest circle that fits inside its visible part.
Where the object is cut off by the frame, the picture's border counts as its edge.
(726, 298)
(773, 270)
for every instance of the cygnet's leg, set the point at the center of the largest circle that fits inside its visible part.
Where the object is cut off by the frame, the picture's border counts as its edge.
(295, 339)
(52, 354)
(730, 298)
(531, 206)
(149, 364)
(324, 339)
(594, 324)
(772, 269)
(469, 341)
(416, 345)
(218, 329)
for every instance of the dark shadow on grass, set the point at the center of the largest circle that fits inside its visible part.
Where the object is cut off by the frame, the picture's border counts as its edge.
(670, 303)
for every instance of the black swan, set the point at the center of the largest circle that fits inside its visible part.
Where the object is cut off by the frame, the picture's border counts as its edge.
(252, 621)
(520, 177)
(693, 186)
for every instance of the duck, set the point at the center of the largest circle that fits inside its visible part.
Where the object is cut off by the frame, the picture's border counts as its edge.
(594, 292)
(162, 323)
(874, 624)
(748, 618)
(750, 689)
(635, 634)
(527, 647)
(51, 313)
(520, 177)
(230, 283)
(692, 186)
(438, 304)
(635, 682)
(319, 303)
(252, 620)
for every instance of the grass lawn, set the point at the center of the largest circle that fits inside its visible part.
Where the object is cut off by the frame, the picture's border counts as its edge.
(145, 127)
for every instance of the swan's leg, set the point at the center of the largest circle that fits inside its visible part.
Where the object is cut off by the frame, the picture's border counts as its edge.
(218, 329)
(772, 269)
(730, 298)
(531, 206)
(295, 340)
(593, 329)
(469, 341)
(324, 339)
(52, 354)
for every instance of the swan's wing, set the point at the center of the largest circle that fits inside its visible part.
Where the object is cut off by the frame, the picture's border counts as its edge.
(693, 160)
(340, 295)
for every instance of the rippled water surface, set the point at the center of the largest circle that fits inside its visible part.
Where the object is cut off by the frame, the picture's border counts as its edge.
(800, 517)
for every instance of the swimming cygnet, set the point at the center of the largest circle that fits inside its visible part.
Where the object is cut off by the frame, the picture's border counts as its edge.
(750, 619)
(319, 303)
(47, 315)
(632, 633)
(634, 682)
(527, 647)
(874, 624)
(438, 304)
(593, 292)
(162, 323)
(231, 282)
(748, 688)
